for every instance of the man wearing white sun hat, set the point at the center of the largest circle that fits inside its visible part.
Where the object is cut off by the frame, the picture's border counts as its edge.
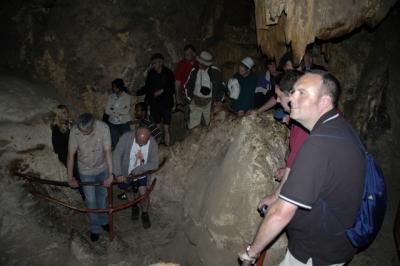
(242, 98)
(204, 89)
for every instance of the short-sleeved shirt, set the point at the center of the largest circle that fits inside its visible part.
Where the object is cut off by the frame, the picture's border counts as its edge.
(248, 85)
(326, 183)
(182, 71)
(90, 148)
(297, 137)
(154, 130)
(265, 89)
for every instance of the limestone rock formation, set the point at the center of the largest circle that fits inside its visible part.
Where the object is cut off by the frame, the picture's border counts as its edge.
(80, 47)
(221, 174)
(284, 22)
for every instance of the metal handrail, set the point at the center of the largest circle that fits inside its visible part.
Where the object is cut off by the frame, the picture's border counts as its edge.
(110, 210)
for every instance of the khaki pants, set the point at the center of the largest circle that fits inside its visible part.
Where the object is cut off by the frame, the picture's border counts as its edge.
(290, 260)
(196, 112)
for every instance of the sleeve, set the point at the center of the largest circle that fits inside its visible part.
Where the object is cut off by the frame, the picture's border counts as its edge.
(179, 73)
(220, 86)
(153, 159)
(118, 154)
(190, 82)
(170, 86)
(54, 141)
(146, 89)
(297, 138)
(106, 135)
(109, 105)
(304, 184)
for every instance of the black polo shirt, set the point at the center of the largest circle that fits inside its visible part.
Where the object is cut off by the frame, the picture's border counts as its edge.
(326, 182)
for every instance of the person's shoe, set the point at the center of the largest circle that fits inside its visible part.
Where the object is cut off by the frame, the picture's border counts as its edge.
(106, 227)
(122, 196)
(135, 212)
(94, 237)
(146, 220)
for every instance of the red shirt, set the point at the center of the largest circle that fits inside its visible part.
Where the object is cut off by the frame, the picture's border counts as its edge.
(297, 137)
(182, 71)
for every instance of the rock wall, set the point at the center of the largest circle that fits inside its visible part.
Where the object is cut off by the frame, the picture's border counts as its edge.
(219, 175)
(79, 47)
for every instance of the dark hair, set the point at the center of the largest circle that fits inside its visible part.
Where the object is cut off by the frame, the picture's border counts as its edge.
(119, 83)
(156, 56)
(288, 79)
(189, 46)
(62, 106)
(330, 85)
(142, 106)
(286, 57)
(85, 122)
(270, 61)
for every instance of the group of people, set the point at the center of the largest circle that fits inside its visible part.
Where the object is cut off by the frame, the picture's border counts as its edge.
(197, 88)
(320, 185)
(86, 150)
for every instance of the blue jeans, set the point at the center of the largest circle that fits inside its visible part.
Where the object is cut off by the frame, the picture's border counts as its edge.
(116, 132)
(96, 198)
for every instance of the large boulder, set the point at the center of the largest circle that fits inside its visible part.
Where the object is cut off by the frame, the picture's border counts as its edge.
(220, 175)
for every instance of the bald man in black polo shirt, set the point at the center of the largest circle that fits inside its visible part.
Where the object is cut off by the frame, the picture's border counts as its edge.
(322, 194)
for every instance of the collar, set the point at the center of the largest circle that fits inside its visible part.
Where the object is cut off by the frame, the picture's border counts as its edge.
(328, 116)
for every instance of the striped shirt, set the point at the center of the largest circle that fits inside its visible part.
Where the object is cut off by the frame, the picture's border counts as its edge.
(154, 130)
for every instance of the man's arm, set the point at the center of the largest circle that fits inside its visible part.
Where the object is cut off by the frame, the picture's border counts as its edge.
(277, 218)
(270, 199)
(70, 169)
(178, 84)
(267, 105)
(108, 154)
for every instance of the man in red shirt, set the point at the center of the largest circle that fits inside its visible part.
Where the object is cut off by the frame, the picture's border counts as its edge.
(297, 133)
(182, 71)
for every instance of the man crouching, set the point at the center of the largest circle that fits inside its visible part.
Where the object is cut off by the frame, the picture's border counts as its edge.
(136, 153)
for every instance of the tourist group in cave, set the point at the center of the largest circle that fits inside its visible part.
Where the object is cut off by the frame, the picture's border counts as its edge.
(320, 184)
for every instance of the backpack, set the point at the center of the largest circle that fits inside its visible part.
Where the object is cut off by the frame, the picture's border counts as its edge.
(372, 209)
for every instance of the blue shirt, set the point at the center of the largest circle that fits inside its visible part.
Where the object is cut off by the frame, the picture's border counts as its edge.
(248, 85)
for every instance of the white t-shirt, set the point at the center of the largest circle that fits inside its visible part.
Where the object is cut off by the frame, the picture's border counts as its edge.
(202, 80)
(138, 155)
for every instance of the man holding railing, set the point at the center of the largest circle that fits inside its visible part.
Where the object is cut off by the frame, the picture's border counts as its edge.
(135, 154)
(91, 139)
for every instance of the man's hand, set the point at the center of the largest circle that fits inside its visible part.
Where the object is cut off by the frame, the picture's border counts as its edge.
(286, 119)
(247, 256)
(72, 182)
(268, 200)
(158, 92)
(252, 112)
(240, 113)
(280, 174)
(108, 181)
(121, 179)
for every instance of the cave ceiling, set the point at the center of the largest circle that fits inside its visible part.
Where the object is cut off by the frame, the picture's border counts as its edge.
(299, 22)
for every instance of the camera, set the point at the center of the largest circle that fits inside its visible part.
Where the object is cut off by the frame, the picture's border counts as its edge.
(205, 90)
